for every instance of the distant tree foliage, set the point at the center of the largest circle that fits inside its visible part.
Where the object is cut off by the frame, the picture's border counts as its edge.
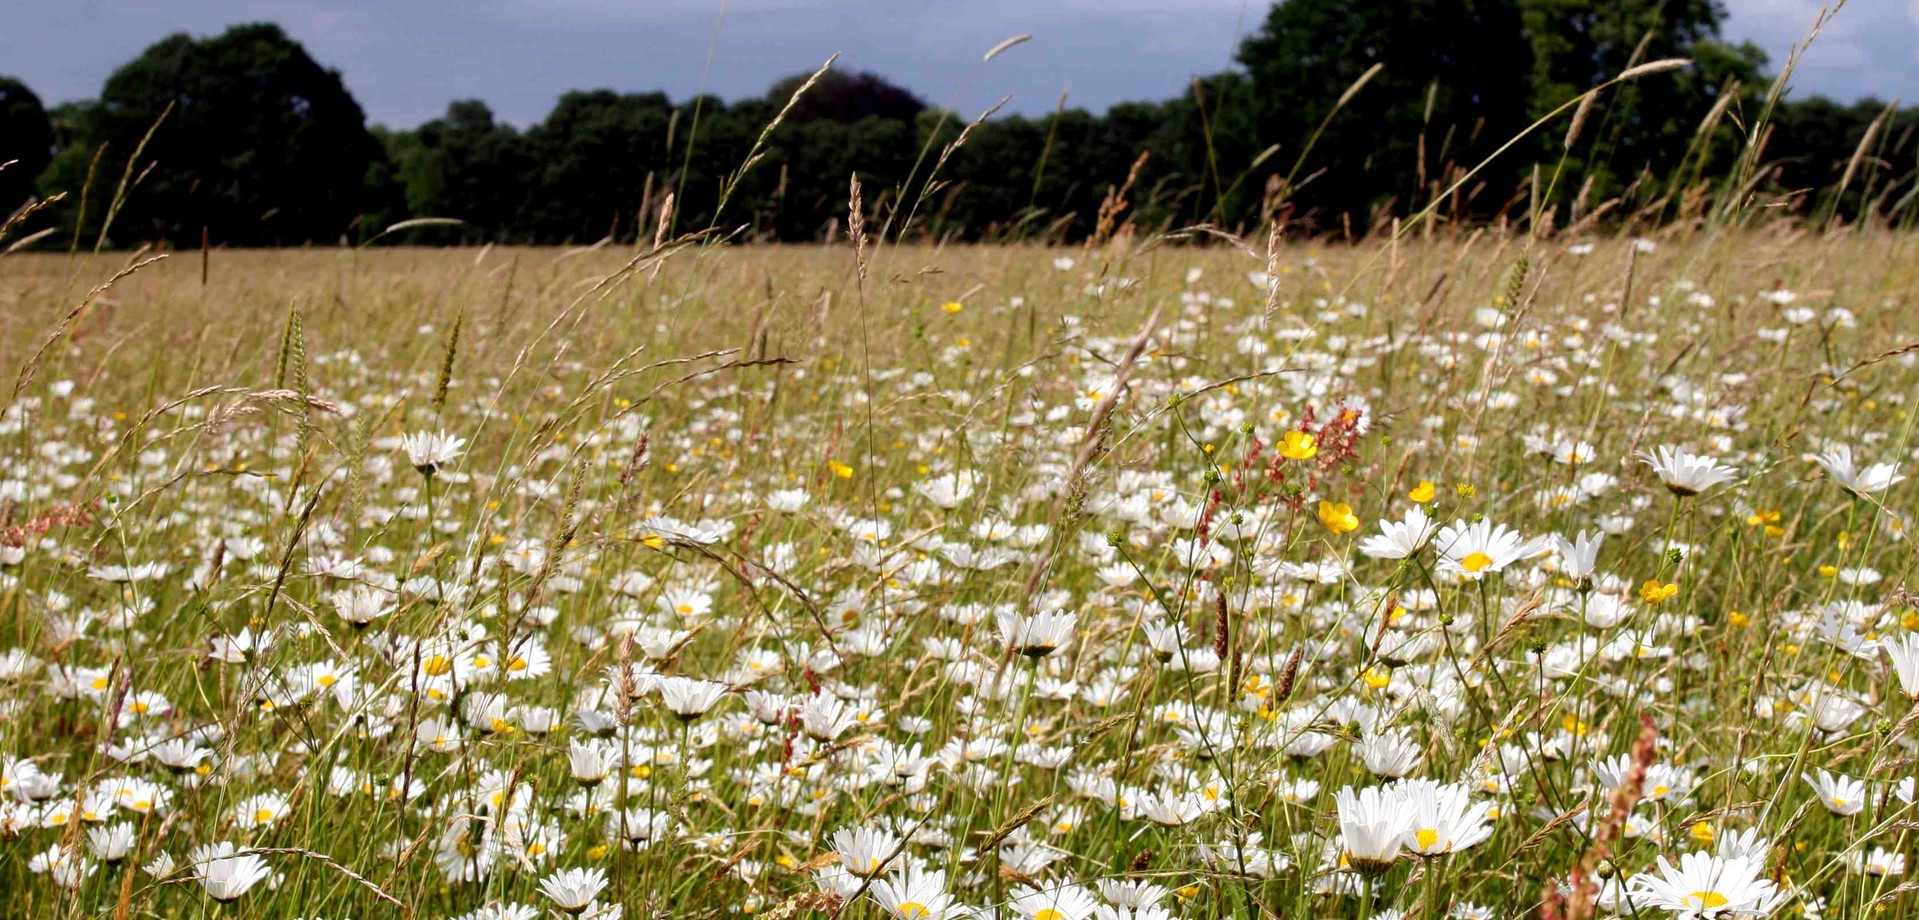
(253, 143)
(1452, 86)
(848, 98)
(251, 140)
(26, 139)
(463, 165)
(1642, 129)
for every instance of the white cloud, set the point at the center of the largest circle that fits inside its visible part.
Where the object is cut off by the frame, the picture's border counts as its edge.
(1869, 48)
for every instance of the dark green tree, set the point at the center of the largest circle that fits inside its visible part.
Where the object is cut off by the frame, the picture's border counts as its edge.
(843, 124)
(1643, 128)
(592, 157)
(1453, 86)
(1045, 178)
(799, 188)
(846, 98)
(466, 166)
(258, 144)
(1814, 142)
(26, 138)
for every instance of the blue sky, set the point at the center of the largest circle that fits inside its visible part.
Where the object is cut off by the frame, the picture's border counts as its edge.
(406, 59)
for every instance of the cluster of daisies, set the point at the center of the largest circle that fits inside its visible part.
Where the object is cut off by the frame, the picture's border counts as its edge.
(1279, 605)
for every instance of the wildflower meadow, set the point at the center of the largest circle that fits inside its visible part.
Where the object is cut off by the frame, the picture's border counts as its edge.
(1443, 573)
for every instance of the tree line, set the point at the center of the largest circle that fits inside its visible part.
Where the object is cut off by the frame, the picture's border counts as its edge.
(1336, 117)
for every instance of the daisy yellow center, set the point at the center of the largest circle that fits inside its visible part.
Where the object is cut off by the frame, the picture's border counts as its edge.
(912, 910)
(1476, 563)
(1049, 914)
(263, 815)
(516, 663)
(1708, 899)
(1427, 838)
(436, 665)
(327, 680)
(1661, 790)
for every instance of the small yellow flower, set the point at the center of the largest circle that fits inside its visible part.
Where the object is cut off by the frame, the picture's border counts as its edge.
(1338, 517)
(951, 306)
(1652, 592)
(1829, 570)
(1738, 619)
(1298, 445)
(1423, 492)
(1702, 831)
(840, 469)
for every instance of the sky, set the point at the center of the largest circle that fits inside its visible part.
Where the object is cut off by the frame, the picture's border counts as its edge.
(404, 60)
